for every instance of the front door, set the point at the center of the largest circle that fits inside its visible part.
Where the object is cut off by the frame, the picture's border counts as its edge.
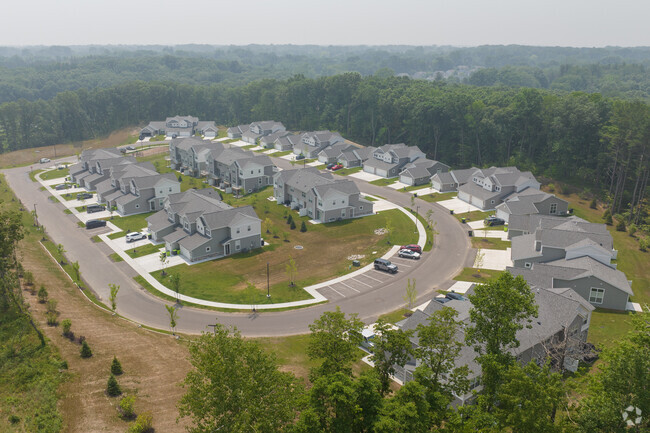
(227, 250)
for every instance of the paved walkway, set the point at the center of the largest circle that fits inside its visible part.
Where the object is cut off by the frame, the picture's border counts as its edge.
(150, 263)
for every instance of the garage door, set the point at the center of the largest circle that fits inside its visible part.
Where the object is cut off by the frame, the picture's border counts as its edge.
(464, 196)
(503, 215)
(477, 202)
(369, 169)
(407, 180)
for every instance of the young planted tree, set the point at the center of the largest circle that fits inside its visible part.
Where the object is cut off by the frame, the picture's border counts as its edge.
(173, 315)
(267, 225)
(28, 278)
(116, 367)
(42, 294)
(334, 340)
(175, 281)
(85, 350)
(479, 260)
(291, 270)
(127, 407)
(500, 308)
(289, 219)
(76, 275)
(236, 386)
(114, 288)
(293, 225)
(411, 295)
(303, 227)
(389, 230)
(163, 261)
(392, 347)
(60, 250)
(112, 387)
(66, 325)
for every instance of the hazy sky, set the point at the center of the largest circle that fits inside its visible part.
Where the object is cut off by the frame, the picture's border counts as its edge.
(336, 22)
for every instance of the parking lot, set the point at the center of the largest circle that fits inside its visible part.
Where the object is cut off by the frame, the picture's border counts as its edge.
(366, 281)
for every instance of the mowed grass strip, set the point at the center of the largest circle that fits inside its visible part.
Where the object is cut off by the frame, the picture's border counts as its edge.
(490, 243)
(384, 181)
(55, 174)
(131, 223)
(144, 250)
(475, 275)
(432, 198)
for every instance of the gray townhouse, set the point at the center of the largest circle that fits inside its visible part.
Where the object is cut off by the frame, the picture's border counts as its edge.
(389, 160)
(102, 171)
(563, 319)
(286, 142)
(319, 195)
(531, 201)
(240, 169)
(450, 181)
(331, 154)
(419, 172)
(268, 141)
(189, 154)
(198, 225)
(487, 188)
(146, 193)
(257, 130)
(570, 253)
(311, 143)
(180, 126)
(86, 165)
(109, 189)
(355, 157)
(236, 131)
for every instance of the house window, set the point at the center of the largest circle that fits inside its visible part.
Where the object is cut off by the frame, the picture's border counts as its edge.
(251, 171)
(360, 207)
(137, 206)
(333, 202)
(553, 208)
(259, 180)
(249, 228)
(170, 189)
(237, 229)
(237, 247)
(207, 249)
(596, 295)
(491, 201)
(528, 265)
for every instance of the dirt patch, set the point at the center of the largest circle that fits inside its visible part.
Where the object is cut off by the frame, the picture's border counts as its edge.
(154, 364)
(32, 155)
(154, 151)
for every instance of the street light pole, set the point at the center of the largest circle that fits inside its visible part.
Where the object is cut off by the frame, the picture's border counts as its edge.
(35, 216)
(268, 287)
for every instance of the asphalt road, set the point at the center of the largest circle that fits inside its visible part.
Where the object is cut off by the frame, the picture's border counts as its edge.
(451, 253)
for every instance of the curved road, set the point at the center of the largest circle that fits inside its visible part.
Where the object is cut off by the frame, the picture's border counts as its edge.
(451, 253)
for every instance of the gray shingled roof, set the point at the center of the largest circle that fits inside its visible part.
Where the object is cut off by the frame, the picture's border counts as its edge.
(176, 235)
(592, 267)
(476, 191)
(145, 182)
(223, 218)
(158, 221)
(193, 241)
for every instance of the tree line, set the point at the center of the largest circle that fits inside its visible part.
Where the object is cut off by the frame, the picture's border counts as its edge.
(236, 387)
(599, 142)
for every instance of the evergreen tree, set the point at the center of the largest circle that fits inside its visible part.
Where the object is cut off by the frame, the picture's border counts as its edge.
(85, 350)
(293, 225)
(112, 387)
(116, 367)
(303, 227)
(289, 219)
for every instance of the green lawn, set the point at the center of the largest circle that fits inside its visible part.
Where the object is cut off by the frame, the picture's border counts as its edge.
(370, 198)
(242, 277)
(384, 181)
(131, 223)
(33, 173)
(347, 171)
(304, 161)
(608, 327)
(116, 257)
(144, 250)
(131, 139)
(395, 316)
(117, 235)
(160, 137)
(281, 153)
(55, 174)
(415, 187)
(250, 146)
(476, 276)
(473, 215)
(432, 198)
(490, 243)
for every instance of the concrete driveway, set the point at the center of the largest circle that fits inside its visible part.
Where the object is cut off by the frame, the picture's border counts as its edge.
(458, 206)
(497, 260)
(362, 175)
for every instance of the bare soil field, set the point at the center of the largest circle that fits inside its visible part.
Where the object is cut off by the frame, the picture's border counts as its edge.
(154, 364)
(33, 155)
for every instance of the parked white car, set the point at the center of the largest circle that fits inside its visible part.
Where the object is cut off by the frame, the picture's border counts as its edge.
(44, 160)
(135, 236)
(408, 254)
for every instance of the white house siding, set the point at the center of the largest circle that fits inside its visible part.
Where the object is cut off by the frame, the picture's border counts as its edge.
(503, 215)
(369, 169)
(464, 196)
(382, 173)
(406, 179)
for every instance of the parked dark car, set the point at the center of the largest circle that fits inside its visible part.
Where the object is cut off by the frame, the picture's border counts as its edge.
(299, 157)
(442, 300)
(494, 221)
(130, 148)
(385, 265)
(62, 187)
(455, 296)
(84, 196)
(412, 247)
(93, 224)
(329, 166)
(94, 208)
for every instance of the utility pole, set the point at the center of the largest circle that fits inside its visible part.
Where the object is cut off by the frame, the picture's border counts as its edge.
(35, 216)
(268, 287)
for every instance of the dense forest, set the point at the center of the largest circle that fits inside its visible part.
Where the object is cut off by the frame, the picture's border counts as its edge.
(601, 142)
(42, 72)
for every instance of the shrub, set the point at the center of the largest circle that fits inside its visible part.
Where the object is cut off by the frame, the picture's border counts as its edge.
(127, 407)
(303, 227)
(66, 324)
(289, 219)
(116, 367)
(620, 227)
(142, 424)
(551, 187)
(13, 419)
(42, 294)
(81, 339)
(631, 229)
(85, 350)
(112, 387)
(608, 219)
(29, 278)
(293, 225)
(51, 305)
(593, 204)
(63, 365)
(644, 244)
(50, 317)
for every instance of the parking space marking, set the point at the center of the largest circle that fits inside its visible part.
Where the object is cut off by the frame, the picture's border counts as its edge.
(352, 288)
(379, 281)
(404, 264)
(340, 294)
(361, 282)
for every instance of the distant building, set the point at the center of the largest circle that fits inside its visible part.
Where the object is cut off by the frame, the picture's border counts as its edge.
(389, 160)
(180, 126)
